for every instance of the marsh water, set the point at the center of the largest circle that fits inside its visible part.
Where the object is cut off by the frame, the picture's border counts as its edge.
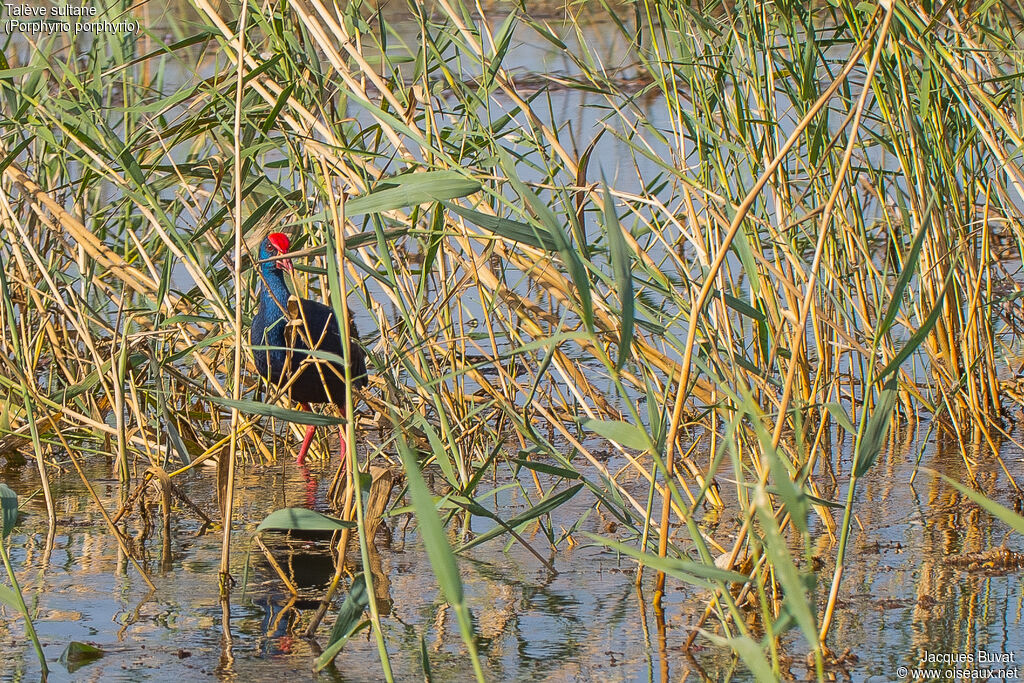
(904, 595)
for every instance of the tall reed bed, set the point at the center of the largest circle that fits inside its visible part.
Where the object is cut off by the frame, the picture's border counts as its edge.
(786, 229)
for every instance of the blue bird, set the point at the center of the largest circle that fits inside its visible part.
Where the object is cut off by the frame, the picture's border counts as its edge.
(294, 326)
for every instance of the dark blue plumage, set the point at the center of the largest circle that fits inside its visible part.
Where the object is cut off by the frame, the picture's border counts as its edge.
(295, 326)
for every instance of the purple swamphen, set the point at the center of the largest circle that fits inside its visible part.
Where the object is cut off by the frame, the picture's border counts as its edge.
(294, 326)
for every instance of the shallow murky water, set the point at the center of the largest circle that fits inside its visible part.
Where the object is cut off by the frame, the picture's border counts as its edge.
(902, 596)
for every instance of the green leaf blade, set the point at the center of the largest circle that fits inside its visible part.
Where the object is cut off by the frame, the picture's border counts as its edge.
(302, 519)
(623, 270)
(412, 189)
(623, 433)
(9, 508)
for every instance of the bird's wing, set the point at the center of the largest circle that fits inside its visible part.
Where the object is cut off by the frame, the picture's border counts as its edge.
(311, 326)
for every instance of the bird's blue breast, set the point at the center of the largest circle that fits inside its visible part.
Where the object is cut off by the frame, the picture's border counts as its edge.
(268, 324)
(268, 333)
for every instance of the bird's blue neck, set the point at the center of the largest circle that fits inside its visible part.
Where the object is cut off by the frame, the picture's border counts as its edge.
(273, 302)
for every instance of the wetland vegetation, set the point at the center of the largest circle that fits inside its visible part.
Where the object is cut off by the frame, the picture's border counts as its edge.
(693, 335)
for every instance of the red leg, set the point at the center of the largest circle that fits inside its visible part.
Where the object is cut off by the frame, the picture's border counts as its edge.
(308, 438)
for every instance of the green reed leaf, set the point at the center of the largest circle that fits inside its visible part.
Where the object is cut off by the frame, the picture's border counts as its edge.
(347, 623)
(877, 429)
(705, 576)
(620, 432)
(1004, 514)
(8, 508)
(301, 417)
(412, 189)
(623, 269)
(302, 519)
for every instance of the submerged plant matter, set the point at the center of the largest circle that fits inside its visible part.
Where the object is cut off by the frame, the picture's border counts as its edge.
(773, 232)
